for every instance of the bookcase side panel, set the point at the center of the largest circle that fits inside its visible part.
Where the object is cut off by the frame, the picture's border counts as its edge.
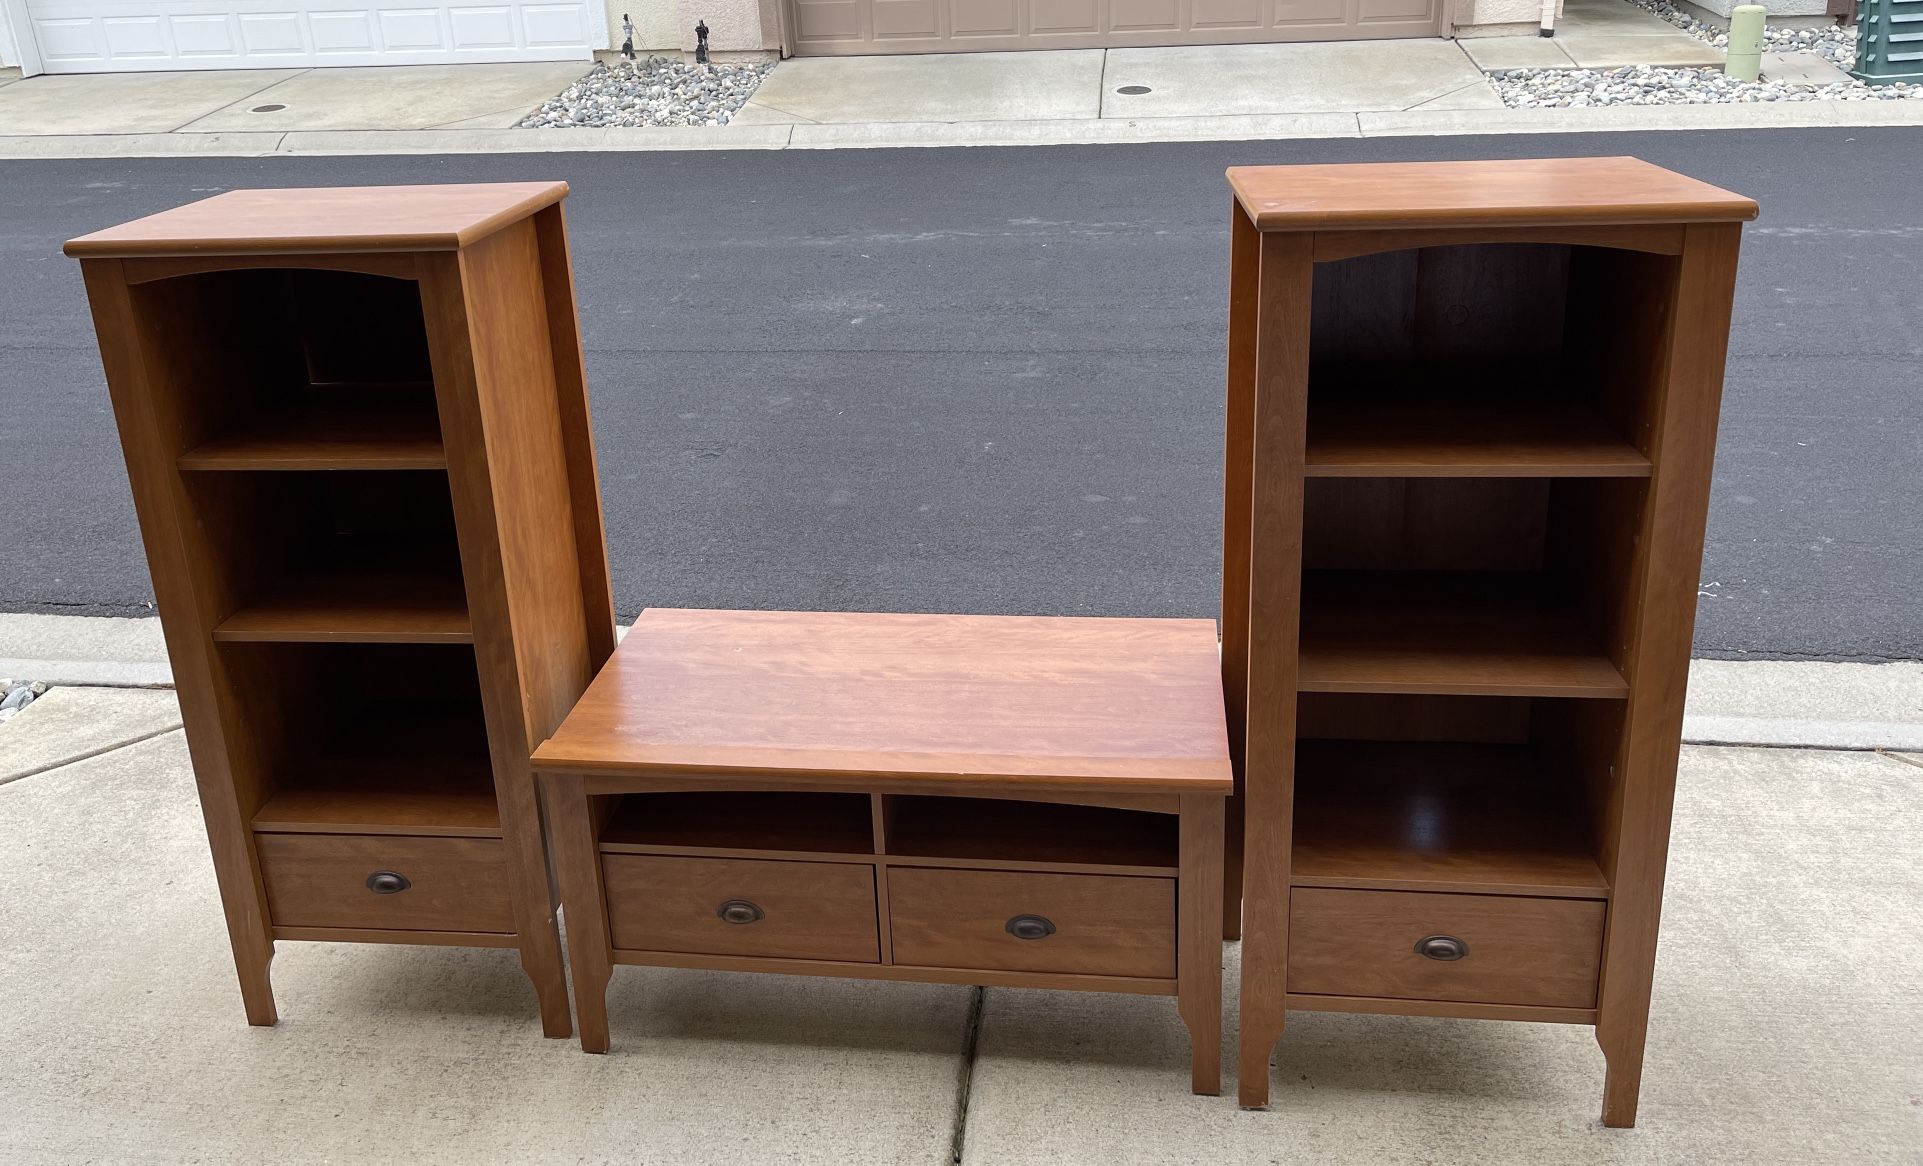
(1664, 585)
(149, 435)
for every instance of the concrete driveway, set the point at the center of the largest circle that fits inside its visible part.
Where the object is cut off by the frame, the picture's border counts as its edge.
(397, 97)
(1089, 83)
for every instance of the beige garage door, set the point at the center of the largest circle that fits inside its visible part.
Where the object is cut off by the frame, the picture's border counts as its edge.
(824, 27)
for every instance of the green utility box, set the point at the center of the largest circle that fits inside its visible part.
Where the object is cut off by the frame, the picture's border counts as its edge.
(1889, 41)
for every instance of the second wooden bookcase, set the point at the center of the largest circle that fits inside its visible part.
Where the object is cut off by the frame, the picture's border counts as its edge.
(1471, 417)
(356, 428)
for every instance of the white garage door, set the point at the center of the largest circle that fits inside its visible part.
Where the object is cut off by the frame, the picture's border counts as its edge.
(120, 36)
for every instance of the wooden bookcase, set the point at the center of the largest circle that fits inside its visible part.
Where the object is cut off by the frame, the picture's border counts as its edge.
(1471, 418)
(356, 428)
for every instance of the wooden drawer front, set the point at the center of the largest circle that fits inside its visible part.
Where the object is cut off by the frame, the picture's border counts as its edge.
(321, 880)
(808, 910)
(1103, 925)
(1542, 952)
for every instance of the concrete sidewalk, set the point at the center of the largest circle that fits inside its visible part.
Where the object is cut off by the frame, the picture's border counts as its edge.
(1786, 1010)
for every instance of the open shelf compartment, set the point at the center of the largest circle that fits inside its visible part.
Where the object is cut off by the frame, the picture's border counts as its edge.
(1056, 835)
(746, 821)
(364, 738)
(1485, 360)
(1454, 794)
(294, 369)
(1487, 586)
(336, 556)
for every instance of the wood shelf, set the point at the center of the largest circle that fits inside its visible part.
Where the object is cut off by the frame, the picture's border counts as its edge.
(1056, 835)
(1474, 633)
(771, 822)
(367, 596)
(1393, 437)
(404, 771)
(333, 427)
(1430, 816)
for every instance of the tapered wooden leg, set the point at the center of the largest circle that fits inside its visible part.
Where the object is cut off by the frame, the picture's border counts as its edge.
(1199, 957)
(541, 960)
(533, 897)
(253, 963)
(1622, 1046)
(572, 832)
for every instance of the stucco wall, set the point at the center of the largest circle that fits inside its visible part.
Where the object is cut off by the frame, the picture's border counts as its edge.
(667, 25)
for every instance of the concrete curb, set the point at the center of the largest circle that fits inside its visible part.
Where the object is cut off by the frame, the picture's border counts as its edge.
(1070, 131)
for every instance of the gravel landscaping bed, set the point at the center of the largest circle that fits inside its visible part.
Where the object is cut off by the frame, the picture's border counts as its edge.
(1837, 45)
(1659, 85)
(657, 91)
(1655, 85)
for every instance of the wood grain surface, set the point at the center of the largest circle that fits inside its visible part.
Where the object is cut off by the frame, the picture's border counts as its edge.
(339, 218)
(1121, 703)
(1104, 926)
(1512, 192)
(1540, 952)
(811, 910)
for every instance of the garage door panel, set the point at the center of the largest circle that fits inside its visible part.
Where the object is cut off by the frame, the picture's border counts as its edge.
(81, 36)
(895, 19)
(207, 35)
(135, 36)
(413, 29)
(1064, 16)
(1225, 14)
(1371, 11)
(341, 31)
(1144, 15)
(1311, 13)
(984, 18)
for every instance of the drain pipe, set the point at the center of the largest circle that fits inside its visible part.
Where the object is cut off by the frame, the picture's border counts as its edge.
(1548, 17)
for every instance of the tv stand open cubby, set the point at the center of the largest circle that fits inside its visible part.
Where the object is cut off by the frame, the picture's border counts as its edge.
(356, 429)
(1471, 417)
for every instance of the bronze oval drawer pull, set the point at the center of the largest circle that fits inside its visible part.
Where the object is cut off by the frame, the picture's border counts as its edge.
(386, 882)
(1029, 927)
(739, 911)
(1441, 947)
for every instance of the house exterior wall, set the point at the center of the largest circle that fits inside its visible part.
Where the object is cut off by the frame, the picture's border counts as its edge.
(734, 26)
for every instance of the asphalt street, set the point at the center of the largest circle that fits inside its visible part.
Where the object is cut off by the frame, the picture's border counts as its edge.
(990, 380)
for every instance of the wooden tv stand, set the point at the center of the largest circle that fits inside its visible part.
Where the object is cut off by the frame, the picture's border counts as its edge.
(1014, 801)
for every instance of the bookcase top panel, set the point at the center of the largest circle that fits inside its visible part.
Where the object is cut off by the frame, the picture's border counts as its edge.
(341, 218)
(1511, 193)
(1023, 701)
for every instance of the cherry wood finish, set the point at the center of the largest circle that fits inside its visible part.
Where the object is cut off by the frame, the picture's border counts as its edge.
(454, 884)
(1536, 952)
(807, 910)
(340, 219)
(890, 793)
(1552, 193)
(354, 422)
(1471, 417)
(1102, 925)
(1007, 700)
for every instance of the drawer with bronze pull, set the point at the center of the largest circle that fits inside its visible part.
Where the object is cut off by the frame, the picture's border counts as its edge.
(1099, 925)
(1484, 949)
(742, 907)
(385, 882)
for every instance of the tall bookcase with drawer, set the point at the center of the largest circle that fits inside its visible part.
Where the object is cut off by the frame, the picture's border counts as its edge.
(356, 429)
(1471, 418)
